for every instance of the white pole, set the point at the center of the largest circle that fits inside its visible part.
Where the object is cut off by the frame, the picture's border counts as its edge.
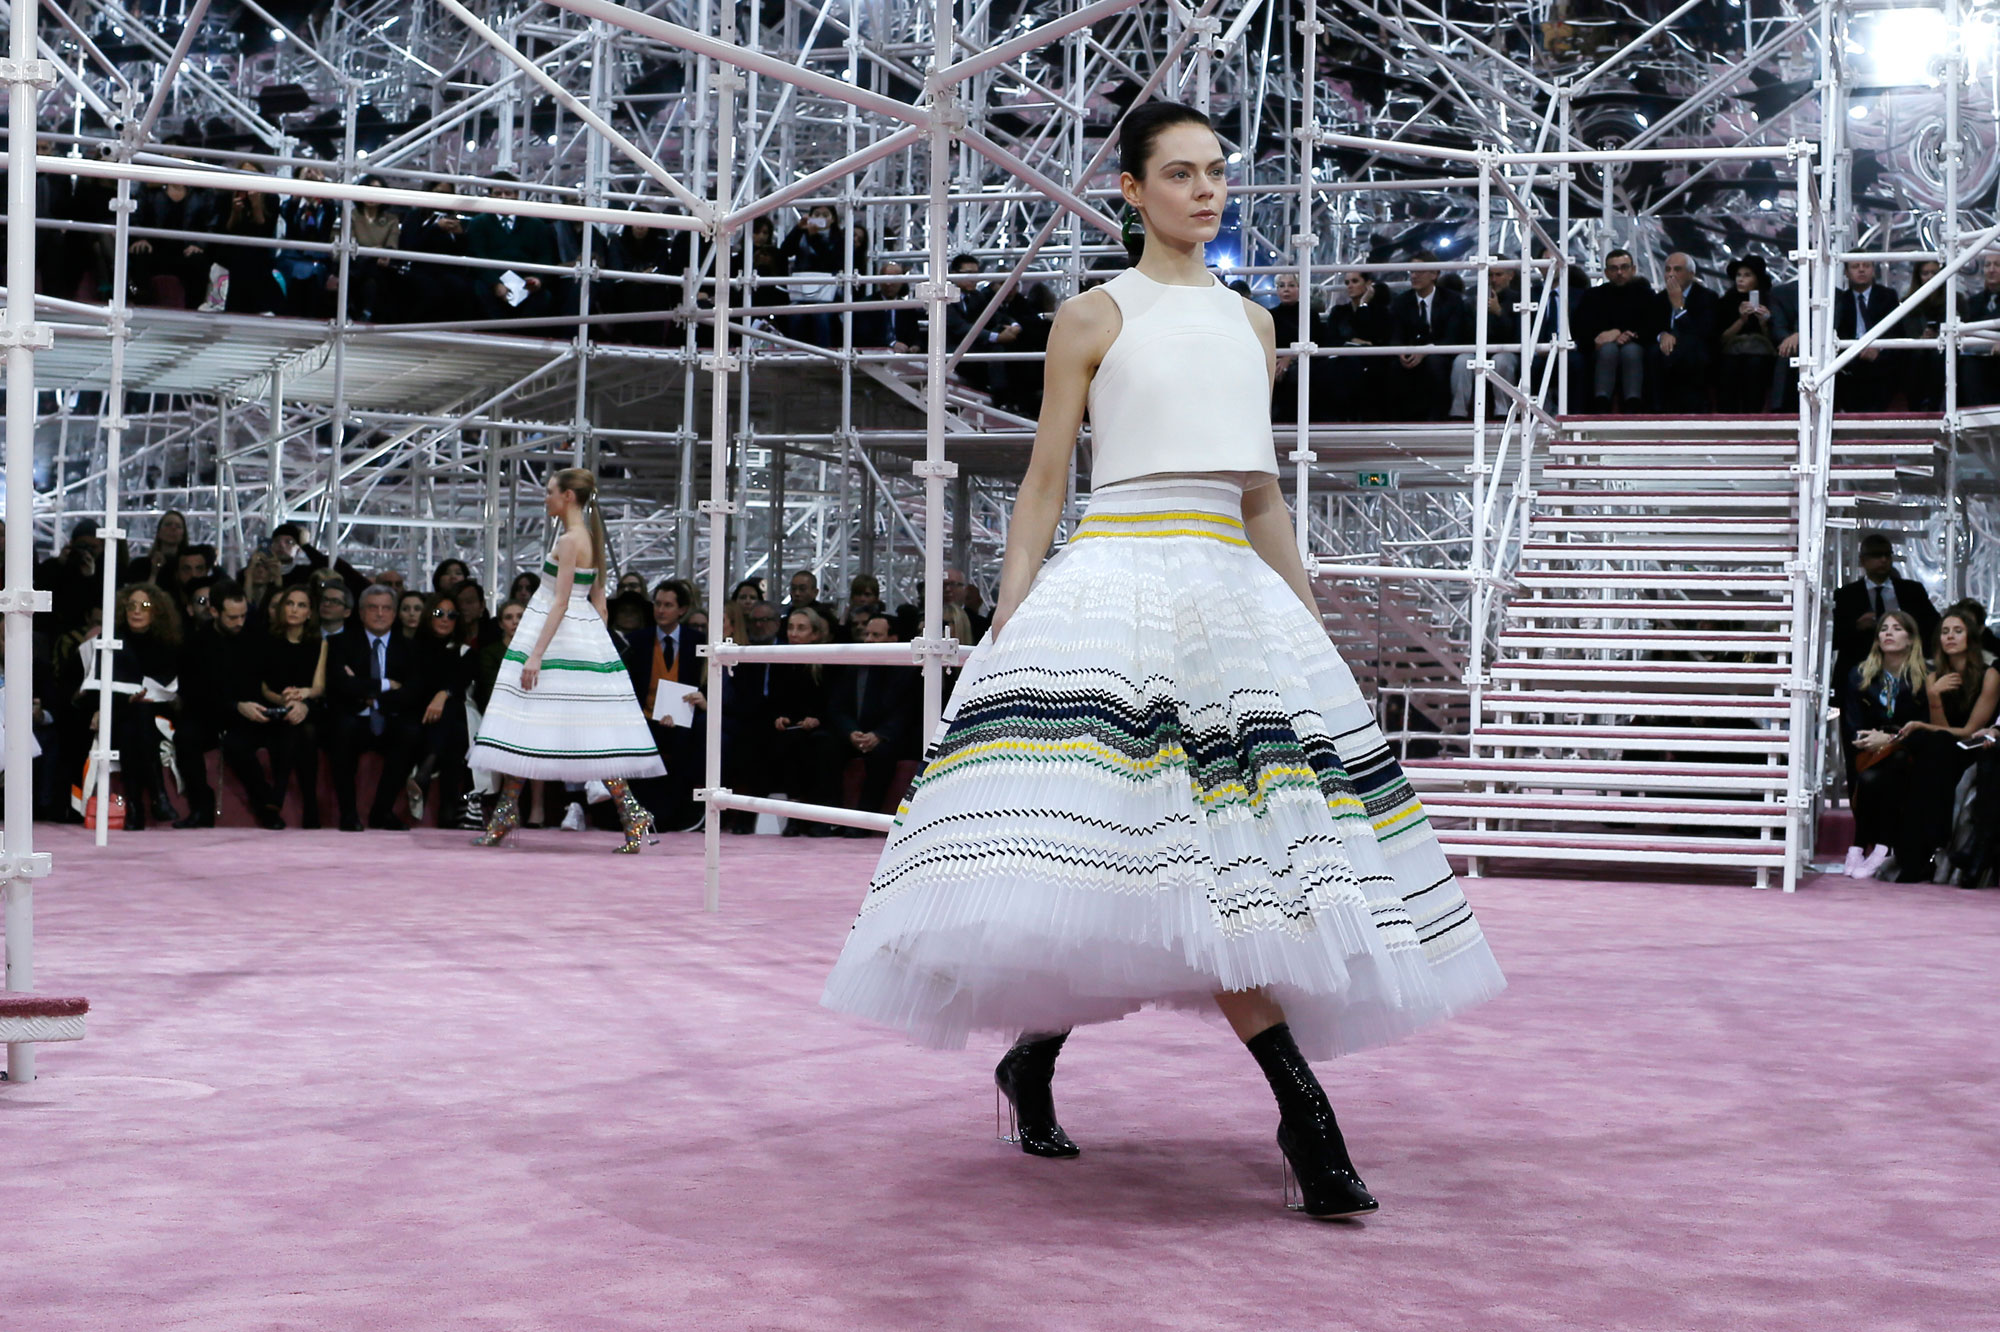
(18, 863)
(945, 108)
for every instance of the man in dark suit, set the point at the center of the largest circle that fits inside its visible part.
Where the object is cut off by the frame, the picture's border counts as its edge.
(1979, 364)
(1867, 381)
(514, 240)
(1784, 305)
(1681, 357)
(869, 716)
(1613, 325)
(665, 656)
(1858, 606)
(1426, 315)
(218, 670)
(371, 678)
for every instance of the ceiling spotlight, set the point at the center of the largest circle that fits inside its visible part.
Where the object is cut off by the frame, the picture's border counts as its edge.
(1444, 243)
(552, 138)
(472, 145)
(1643, 122)
(1766, 204)
(1234, 158)
(277, 34)
(1859, 111)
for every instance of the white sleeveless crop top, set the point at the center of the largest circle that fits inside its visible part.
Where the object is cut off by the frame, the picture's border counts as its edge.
(1184, 387)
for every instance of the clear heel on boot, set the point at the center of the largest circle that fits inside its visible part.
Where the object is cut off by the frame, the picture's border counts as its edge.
(1006, 1124)
(1295, 1197)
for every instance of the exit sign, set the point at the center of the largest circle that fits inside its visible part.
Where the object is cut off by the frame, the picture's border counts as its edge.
(1375, 480)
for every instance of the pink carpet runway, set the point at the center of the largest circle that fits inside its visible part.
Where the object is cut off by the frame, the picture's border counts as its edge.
(388, 1082)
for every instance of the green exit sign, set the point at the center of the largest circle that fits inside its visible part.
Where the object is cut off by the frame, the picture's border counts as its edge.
(1375, 480)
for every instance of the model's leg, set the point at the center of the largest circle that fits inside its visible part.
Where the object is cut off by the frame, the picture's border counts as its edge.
(506, 815)
(1023, 1077)
(1308, 1134)
(638, 823)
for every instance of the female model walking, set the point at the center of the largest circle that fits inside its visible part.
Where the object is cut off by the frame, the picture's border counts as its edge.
(562, 706)
(1159, 785)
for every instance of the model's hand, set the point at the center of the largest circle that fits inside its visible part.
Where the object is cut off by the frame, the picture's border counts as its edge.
(531, 672)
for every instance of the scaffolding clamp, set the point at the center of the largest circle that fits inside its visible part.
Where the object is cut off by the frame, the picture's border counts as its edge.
(28, 601)
(1308, 239)
(40, 73)
(706, 794)
(20, 868)
(943, 468)
(935, 291)
(35, 337)
(1302, 456)
(713, 507)
(1311, 27)
(726, 363)
(943, 650)
(107, 646)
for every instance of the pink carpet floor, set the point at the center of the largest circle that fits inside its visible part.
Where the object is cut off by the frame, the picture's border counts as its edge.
(388, 1082)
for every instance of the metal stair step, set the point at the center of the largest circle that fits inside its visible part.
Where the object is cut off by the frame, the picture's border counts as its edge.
(1669, 499)
(1605, 809)
(1584, 775)
(1743, 851)
(1521, 735)
(1706, 580)
(1662, 525)
(1573, 552)
(1623, 703)
(1678, 471)
(1630, 608)
(1632, 672)
(1652, 640)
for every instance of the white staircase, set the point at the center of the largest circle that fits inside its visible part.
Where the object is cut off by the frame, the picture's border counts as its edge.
(1637, 709)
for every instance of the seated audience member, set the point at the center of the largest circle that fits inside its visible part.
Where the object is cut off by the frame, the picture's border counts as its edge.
(629, 581)
(1858, 605)
(631, 616)
(161, 562)
(192, 565)
(1362, 320)
(1881, 696)
(522, 590)
(748, 591)
(1979, 362)
(335, 606)
(1964, 695)
(766, 262)
(801, 739)
(747, 738)
(898, 330)
(963, 312)
(1614, 323)
(864, 598)
(1684, 339)
(1503, 325)
(448, 575)
(262, 578)
(959, 619)
(150, 629)
(641, 247)
(1746, 349)
(291, 681)
(1867, 381)
(197, 601)
(1285, 319)
(298, 559)
(1923, 367)
(253, 281)
(412, 615)
(1784, 305)
(511, 239)
(805, 594)
(1426, 315)
(184, 262)
(663, 657)
(816, 247)
(373, 278)
(487, 671)
(307, 276)
(218, 670)
(433, 286)
(445, 665)
(869, 717)
(374, 703)
(475, 626)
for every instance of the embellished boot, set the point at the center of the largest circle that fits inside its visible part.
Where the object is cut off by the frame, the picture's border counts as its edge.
(638, 823)
(1028, 1109)
(506, 816)
(1307, 1132)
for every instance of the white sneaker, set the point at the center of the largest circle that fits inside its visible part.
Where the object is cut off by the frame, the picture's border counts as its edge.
(573, 818)
(1853, 862)
(1874, 862)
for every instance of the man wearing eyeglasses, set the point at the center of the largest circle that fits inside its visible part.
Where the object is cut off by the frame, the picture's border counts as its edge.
(218, 672)
(369, 675)
(333, 608)
(1615, 323)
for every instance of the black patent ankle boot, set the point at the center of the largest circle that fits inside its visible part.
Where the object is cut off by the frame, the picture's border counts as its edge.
(1023, 1077)
(1308, 1134)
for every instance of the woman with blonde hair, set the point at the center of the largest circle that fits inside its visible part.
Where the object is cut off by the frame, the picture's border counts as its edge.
(1882, 696)
(562, 707)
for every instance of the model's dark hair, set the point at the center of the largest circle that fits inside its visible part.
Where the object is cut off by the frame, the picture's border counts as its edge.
(1141, 128)
(1137, 134)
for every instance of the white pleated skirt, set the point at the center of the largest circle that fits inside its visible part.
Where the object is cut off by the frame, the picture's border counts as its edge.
(581, 722)
(1160, 783)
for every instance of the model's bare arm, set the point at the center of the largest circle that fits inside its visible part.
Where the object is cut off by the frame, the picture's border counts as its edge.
(1268, 524)
(1083, 331)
